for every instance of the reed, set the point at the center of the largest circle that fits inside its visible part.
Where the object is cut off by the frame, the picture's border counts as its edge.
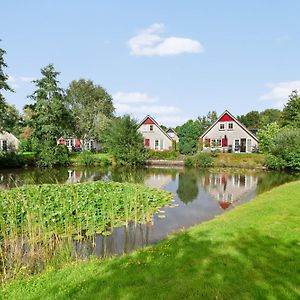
(39, 223)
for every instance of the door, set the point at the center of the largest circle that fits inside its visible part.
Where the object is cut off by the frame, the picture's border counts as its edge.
(243, 145)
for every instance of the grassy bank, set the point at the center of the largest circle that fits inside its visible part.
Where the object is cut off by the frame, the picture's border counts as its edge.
(240, 160)
(251, 252)
(38, 223)
(89, 159)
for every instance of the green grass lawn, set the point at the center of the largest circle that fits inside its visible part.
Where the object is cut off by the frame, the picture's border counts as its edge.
(251, 252)
(240, 160)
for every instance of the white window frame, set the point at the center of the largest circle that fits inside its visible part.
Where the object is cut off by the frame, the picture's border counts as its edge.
(222, 123)
(248, 146)
(156, 147)
(238, 151)
(228, 126)
(151, 126)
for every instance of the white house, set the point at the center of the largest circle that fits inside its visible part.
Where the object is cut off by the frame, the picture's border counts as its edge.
(228, 134)
(74, 144)
(155, 137)
(8, 142)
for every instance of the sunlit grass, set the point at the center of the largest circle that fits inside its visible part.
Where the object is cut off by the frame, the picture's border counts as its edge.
(251, 252)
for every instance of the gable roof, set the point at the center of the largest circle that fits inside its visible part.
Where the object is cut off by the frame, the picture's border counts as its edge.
(224, 117)
(155, 123)
(171, 129)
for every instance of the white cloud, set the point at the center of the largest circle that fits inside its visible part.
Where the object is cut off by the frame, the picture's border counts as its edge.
(133, 97)
(148, 42)
(14, 82)
(281, 90)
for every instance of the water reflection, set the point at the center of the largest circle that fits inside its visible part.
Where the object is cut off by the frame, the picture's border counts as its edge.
(199, 195)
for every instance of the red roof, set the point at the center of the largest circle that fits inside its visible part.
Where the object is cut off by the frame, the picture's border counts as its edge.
(225, 118)
(148, 121)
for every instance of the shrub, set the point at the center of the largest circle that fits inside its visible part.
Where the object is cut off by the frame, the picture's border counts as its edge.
(189, 162)
(86, 158)
(284, 151)
(62, 155)
(203, 160)
(167, 154)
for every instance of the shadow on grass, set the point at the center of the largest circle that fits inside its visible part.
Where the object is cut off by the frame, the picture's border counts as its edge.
(191, 266)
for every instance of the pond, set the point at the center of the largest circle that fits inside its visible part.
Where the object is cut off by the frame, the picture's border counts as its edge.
(199, 195)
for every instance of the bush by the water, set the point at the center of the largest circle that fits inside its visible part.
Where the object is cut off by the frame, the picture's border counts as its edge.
(45, 218)
(167, 154)
(284, 150)
(16, 160)
(200, 160)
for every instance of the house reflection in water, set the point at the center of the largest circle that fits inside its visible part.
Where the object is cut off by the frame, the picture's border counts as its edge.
(228, 190)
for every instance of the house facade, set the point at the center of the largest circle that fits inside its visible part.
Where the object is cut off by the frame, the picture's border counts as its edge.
(155, 138)
(227, 134)
(74, 144)
(8, 142)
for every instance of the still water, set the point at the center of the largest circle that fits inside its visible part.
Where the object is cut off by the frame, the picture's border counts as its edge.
(199, 195)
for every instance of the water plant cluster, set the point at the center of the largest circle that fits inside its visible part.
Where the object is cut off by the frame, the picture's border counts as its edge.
(38, 223)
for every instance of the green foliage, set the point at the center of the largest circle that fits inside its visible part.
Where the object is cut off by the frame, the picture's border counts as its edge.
(12, 121)
(188, 137)
(268, 116)
(124, 142)
(3, 87)
(250, 120)
(200, 160)
(266, 135)
(166, 154)
(91, 107)
(16, 160)
(203, 160)
(291, 111)
(205, 122)
(251, 252)
(62, 155)
(50, 118)
(25, 145)
(87, 158)
(43, 218)
(284, 151)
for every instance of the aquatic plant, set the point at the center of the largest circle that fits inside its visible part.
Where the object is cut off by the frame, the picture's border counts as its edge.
(39, 222)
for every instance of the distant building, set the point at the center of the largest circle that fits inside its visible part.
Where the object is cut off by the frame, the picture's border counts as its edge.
(8, 142)
(74, 144)
(155, 137)
(227, 134)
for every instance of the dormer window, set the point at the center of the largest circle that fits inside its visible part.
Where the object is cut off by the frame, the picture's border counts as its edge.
(151, 127)
(222, 126)
(230, 126)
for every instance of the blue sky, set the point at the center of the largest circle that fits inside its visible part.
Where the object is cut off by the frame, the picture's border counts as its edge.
(174, 60)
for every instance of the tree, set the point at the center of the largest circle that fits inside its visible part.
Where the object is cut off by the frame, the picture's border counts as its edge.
(266, 136)
(187, 186)
(291, 112)
(3, 86)
(12, 121)
(188, 137)
(90, 107)
(268, 116)
(124, 142)
(251, 119)
(206, 121)
(50, 118)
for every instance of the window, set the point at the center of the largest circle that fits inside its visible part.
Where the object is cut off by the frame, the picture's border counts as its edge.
(161, 144)
(218, 142)
(4, 145)
(236, 145)
(222, 126)
(156, 145)
(151, 127)
(230, 126)
(249, 145)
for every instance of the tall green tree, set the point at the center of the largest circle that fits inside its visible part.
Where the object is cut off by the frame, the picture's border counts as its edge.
(11, 119)
(205, 122)
(291, 111)
(266, 136)
(124, 142)
(269, 116)
(3, 86)
(90, 107)
(251, 119)
(50, 118)
(188, 137)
